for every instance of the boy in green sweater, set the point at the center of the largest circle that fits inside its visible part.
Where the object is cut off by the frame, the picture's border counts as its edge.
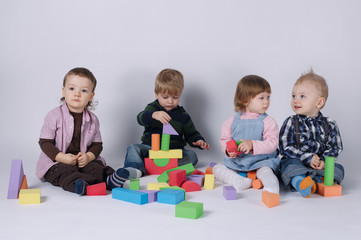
(169, 85)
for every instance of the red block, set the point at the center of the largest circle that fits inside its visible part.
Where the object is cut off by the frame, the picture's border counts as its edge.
(177, 177)
(190, 186)
(96, 189)
(232, 146)
(152, 169)
(198, 172)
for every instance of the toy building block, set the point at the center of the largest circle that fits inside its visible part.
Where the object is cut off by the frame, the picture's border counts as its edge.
(329, 171)
(198, 172)
(29, 196)
(270, 199)
(99, 189)
(174, 187)
(134, 184)
(16, 178)
(177, 177)
(170, 196)
(168, 129)
(243, 174)
(128, 195)
(157, 186)
(229, 193)
(173, 153)
(190, 186)
(191, 210)
(212, 164)
(209, 182)
(164, 177)
(155, 142)
(209, 170)
(329, 191)
(24, 183)
(152, 168)
(165, 142)
(152, 195)
(252, 175)
(232, 146)
(199, 179)
(257, 184)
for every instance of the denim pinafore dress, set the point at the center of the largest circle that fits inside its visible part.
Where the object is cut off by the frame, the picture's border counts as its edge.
(251, 129)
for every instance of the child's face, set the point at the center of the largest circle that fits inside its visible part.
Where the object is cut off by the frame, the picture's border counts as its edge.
(306, 99)
(168, 101)
(259, 104)
(78, 92)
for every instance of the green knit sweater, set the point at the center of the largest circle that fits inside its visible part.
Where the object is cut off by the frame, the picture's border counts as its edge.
(181, 122)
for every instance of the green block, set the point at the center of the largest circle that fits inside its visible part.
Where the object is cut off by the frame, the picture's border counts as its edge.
(165, 142)
(191, 210)
(161, 162)
(329, 171)
(134, 184)
(164, 177)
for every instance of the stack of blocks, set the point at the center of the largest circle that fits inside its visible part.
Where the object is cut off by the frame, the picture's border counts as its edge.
(329, 188)
(160, 157)
(18, 186)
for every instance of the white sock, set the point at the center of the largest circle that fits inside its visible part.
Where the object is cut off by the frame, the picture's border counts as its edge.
(134, 173)
(228, 176)
(269, 180)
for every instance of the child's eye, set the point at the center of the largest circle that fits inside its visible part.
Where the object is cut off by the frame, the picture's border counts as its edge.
(71, 88)
(293, 96)
(303, 96)
(84, 91)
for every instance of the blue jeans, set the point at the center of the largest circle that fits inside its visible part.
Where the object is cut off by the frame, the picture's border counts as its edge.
(291, 167)
(137, 152)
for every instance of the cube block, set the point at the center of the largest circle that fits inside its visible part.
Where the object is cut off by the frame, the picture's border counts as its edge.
(191, 210)
(229, 193)
(270, 199)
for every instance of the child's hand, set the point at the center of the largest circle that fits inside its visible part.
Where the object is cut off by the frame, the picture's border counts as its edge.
(161, 116)
(67, 158)
(317, 163)
(85, 158)
(246, 146)
(202, 144)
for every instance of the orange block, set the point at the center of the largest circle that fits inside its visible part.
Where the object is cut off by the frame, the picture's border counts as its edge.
(209, 170)
(155, 142)
(270, 199)
(329, 191)
(24, 183)
(252, 175)
(257, 184)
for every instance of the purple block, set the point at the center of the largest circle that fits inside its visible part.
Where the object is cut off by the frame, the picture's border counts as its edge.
(199, 179)
(229, 193)
(16, 177)
(168, 129)
(152, 195)
(212, 164)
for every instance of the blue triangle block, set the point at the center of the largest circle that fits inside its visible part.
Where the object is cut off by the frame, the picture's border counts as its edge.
(168, 129)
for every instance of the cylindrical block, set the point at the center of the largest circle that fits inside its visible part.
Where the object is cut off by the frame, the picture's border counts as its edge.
(329, 170)
(155, 141)
(165, 142)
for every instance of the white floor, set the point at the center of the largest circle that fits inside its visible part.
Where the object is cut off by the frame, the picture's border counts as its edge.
(63, 215)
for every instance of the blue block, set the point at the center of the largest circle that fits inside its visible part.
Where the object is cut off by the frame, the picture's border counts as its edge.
(129, 195)
(170, 196)
(243, 174)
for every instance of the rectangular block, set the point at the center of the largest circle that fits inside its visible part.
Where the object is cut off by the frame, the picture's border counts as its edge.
(16, 178)
(99, 189)
(152, 195)
(177, 177)
(157, 186)
(174, 153)
(229, 193)
(270, 199)
(164, 177)
(191, 210)
(129, 195)
(29, 196)
(209, 182)
(134, 184)
(170, 196)
(329, 191)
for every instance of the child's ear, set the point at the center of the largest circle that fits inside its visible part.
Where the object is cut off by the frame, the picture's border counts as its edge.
(321, 102)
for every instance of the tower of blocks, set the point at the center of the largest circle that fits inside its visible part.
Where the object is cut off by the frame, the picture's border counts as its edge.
(161, 158)
(328, 188)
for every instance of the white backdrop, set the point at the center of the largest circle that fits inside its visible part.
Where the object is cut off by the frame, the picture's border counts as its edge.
(213, 43)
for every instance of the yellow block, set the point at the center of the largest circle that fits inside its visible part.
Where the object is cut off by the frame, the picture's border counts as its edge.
(157, 186)
(174, 153)
(209, 182)
(29, 196)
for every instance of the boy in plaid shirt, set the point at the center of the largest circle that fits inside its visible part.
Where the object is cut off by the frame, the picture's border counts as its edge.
(307, 137)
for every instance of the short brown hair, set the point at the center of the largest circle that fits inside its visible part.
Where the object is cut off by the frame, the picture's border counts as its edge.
(82, 72)
(169, 80)
(247, 88)
(319, 82)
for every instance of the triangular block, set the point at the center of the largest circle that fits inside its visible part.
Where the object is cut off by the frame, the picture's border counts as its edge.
(24, 183)
(16, 178)
(168, 129)
(96, 189)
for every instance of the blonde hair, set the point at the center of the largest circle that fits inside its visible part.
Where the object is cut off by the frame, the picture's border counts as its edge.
(247, 88)
(318, 81)
(169, 81)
